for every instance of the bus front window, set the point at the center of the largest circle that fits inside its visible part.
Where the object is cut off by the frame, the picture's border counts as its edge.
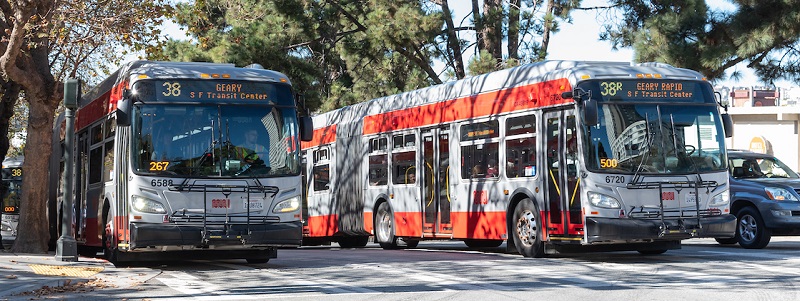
(210, 140)
(656, 138)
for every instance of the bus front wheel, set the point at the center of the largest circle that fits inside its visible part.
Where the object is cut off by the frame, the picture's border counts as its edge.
(384, 227)
(526, 226)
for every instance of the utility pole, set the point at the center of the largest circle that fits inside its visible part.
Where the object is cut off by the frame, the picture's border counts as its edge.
(67, 247)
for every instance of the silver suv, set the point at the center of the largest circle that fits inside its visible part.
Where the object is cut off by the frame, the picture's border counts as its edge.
(764, 199)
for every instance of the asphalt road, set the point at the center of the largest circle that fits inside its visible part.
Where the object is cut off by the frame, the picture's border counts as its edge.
(702, 270)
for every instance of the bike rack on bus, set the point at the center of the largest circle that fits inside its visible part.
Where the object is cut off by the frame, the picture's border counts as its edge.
(220, 227)
(678, 228)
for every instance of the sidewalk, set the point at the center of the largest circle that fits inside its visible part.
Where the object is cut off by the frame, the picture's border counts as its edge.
(35, 276)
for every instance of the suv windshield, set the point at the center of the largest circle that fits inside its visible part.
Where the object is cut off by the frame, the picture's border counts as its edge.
(760, 167)
(205, 140)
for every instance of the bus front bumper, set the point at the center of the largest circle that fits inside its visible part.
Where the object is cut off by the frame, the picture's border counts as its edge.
(288, 234)
(601, 230)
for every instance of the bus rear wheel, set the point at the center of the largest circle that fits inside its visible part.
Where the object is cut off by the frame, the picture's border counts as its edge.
(526, 226)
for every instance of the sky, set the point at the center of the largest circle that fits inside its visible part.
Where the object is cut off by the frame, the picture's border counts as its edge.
(578, 40)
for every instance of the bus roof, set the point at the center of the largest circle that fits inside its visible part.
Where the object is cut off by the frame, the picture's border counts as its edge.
(132, 71)
(13, 162)
(574, 71)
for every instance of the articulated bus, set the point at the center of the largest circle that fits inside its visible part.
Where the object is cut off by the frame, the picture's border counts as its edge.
(186, 160)
(550, 157)
(11, 193)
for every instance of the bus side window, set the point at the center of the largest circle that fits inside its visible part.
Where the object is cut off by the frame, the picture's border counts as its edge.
(378, 162)
(521, 146)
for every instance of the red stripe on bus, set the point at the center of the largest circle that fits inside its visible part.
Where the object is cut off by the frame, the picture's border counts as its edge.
(408, 224)
(322, 136)
(368, 222)
(479, 225)
(99, 107)
(508, 100)
(323, 225)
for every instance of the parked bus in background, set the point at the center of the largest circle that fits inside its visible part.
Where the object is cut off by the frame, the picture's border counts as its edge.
(11, 192)
(557, 156)
(186, 160)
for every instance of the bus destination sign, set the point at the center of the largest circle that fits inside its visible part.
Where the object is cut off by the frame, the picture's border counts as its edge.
(650, 90)
(212, 90)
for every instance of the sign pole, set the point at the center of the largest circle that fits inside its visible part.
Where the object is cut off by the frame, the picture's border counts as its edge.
(67, 247)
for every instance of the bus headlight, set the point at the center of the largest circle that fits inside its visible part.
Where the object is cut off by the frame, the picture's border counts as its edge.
(779, 194)
(5, 227)
(603, 201)
(721, 199)
(287, 205)
(145, 205)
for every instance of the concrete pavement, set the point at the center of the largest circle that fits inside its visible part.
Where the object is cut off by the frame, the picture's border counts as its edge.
(41, 276)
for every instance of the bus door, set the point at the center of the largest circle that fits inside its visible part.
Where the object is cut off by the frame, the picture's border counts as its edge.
(435, 182)
(564, 217)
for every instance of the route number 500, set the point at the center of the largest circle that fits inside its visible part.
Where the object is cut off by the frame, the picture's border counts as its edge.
(608, 163)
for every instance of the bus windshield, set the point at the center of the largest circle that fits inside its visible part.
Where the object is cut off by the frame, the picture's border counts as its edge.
(215, 140)
(11, 189)
(646, 136)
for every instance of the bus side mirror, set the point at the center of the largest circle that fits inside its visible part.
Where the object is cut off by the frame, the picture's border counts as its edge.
(727, 125)
(124, 106)
(306, 128)
(590, 112)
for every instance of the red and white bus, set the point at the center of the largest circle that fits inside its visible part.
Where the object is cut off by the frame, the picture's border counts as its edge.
(186, 160)
(551, 157)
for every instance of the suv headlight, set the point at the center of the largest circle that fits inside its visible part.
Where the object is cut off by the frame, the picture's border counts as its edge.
(779, 194)
(603, 201)
(719, 200)
(145, 205)
(287, 205)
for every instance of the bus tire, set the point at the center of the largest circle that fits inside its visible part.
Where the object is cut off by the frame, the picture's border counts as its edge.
(751, 231)
(384, 227)
(353, 241)
(482, 243)
(526, 228)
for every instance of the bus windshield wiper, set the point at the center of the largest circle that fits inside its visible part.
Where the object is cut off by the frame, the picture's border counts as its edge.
(648, 144)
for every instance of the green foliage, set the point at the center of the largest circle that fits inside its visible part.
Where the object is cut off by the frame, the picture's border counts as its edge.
(687, 33)
(341, 52)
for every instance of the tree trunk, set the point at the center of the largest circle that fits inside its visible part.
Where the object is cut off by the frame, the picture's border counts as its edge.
(476, 17)
(34, 235)
(513, 29)
(452, 42)
(548, 25)
(493, 28)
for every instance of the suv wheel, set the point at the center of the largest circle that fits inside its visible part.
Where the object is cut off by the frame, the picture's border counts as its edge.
(750, 229)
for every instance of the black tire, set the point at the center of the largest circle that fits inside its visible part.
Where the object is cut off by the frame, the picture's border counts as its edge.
(526, 229)
(652, 252)
(727, 241)
(109, 248)
(384, 227)
(353, 241)
(750, 229)
(482, 243)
